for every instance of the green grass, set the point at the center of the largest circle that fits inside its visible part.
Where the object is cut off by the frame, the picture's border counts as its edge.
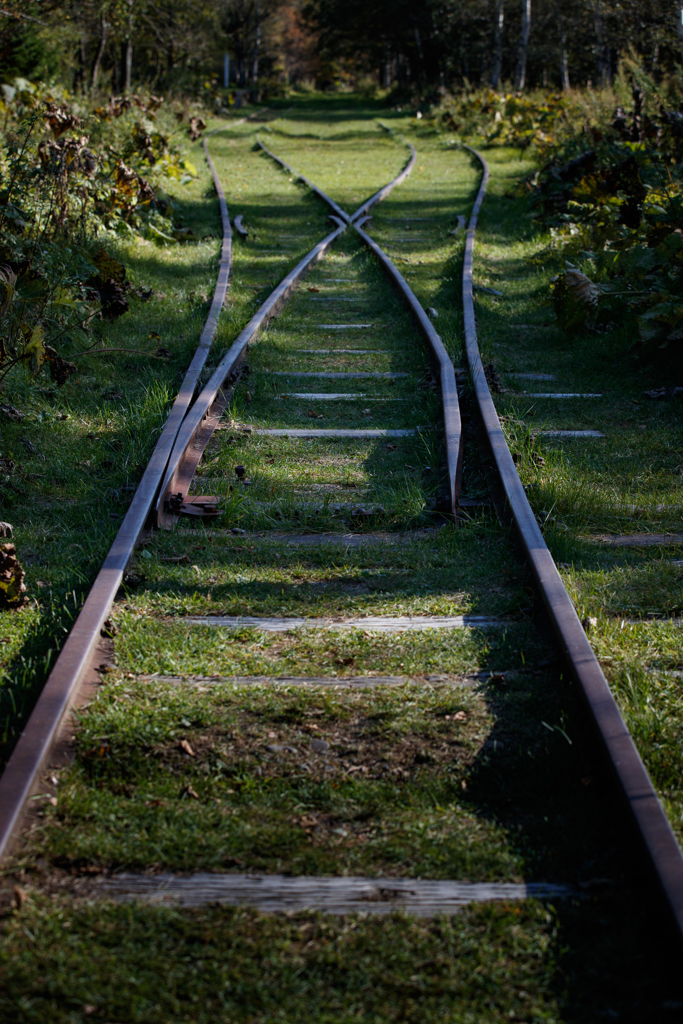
(426, 778)
(512, 788)
(627, 482)
(91, 440)
(65, 964)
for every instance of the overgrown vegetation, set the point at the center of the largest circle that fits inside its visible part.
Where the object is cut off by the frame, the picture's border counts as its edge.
(71, 178)
(608, 186)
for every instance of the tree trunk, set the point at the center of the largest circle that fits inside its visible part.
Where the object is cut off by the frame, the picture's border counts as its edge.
(257, 44)
(520, 73)
(564, 59)
(420, 54)
(129, 47)
(679, 24)
(603, 56)
(80, 77)
(95, 74)
(498, 44)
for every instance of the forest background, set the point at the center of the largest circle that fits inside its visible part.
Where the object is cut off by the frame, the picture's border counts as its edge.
(176, 46)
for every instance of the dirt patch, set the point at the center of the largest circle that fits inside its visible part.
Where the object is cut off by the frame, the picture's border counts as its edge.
(363, 746)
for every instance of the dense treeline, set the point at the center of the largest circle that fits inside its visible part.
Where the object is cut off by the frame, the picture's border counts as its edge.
(486, 42)
(172, 46)
(180, 45)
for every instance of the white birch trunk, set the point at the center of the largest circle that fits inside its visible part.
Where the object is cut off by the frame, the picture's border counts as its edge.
(520, 73)
(129, 48)
(498, 44)
(564, 58)
(257, 46)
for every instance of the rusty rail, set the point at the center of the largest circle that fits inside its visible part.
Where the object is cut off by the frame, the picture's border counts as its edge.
(449, 391)
(362, 210)
(192, 438)
(309, 184)
(38, 736)
(170, 461)
(646, 810)
(386, 189)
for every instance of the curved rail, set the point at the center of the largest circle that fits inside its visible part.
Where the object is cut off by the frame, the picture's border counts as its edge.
(449, 391)
(39, 734)
(386, 189)
(648, 813)
(362, 210)
(202, 408)
(178, 435)
(309, 184)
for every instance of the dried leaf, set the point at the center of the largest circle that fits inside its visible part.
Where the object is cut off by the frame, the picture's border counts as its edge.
(60, 120)
(108, 268)
(10, 413)
(12, 587)
(185, 745)
(34, 354)
(197, 126)
(575, 298)
(19, 897)
(126, 181)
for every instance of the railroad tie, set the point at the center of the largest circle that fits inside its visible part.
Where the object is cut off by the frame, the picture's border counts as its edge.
(374, 623)
(345, 895)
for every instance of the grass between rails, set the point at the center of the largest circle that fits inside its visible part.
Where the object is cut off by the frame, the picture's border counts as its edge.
(94, 435)
(511, 790)
(487, 965)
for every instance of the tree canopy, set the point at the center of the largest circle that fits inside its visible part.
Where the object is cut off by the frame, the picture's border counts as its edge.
(179, 45)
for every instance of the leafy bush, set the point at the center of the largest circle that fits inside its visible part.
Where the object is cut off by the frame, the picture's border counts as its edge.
(509, 119)
(70, 178)
(610, 189)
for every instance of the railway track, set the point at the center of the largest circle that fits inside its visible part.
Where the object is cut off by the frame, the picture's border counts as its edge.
(332, 430)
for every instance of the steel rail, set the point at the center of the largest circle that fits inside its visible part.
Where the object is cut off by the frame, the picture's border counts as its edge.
(309, 184)
(646, 810)
(362, 210)
(40, 732)
(200, 423)
(202, 408)
(386, 189)
(449, 391)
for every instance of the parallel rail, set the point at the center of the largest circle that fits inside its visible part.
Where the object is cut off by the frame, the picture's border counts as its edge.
(645, 808)
(39, 734)
(185, 425)
(189, 425)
